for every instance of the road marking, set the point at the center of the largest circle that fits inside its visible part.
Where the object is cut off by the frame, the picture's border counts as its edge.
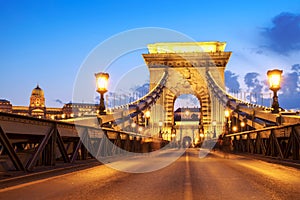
(188, 195)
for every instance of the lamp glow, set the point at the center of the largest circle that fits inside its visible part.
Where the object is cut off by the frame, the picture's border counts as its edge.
(243, 124)
(102, 84)
(141, 129)
(227, 113)
(160, 123)
(133, 124)
(147, 114)
(274, 77)
(234, 129)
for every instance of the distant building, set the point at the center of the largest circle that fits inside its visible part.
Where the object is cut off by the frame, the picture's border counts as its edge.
(187, 114)
(5, 106)
(37, 108)
(79, 109)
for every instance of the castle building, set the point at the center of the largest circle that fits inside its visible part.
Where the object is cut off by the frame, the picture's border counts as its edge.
(37, 108)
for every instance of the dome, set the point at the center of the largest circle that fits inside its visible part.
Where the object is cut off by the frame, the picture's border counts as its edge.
(37, 92)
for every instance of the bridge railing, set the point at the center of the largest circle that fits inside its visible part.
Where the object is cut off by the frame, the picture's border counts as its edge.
(124, 113)
(281, 142)
(156, 90)
(256, 116)
(27, 142)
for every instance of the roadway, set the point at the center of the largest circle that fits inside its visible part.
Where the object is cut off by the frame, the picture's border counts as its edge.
(188, 177)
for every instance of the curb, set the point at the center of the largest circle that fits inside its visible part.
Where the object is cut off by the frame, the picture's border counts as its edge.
(24, 178)
(289, 163)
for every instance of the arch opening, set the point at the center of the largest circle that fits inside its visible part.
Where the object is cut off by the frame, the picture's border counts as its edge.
(187, 119)
(186, 142)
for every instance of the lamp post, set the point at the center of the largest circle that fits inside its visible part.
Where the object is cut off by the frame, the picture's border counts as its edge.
(243, 124)
(214, 124)
(140, 129)
(147, 116)
(160, 124)
(227, 115)
(173, 135)
(234, 128)
(102, 83)
(133, 125)
(274, 77)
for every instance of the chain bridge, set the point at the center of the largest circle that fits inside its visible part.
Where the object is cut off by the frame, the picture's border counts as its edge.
(198, 69)
(175, 69)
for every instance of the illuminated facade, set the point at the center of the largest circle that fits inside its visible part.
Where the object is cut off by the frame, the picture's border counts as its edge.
(186, 47)
(187, 64)
(37, 108)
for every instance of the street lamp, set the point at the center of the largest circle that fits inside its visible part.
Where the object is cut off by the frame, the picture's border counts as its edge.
(274, 77)
(243, 124)
(133, 125)
(227, 115)
(147, 116)
(214, 123)
(234, 128)
(141, 129)
(160, 124)
(102, 83)
(201, 136)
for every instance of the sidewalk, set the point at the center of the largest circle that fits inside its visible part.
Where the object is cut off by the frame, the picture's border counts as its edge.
(290, 163)
(10, 178)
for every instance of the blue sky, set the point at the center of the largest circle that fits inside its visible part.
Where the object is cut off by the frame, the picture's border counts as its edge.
(46, 42)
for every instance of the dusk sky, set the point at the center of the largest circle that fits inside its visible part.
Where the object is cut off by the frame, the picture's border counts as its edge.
(46, 42)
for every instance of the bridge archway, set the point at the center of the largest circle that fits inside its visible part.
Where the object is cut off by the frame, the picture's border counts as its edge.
(186, 142)
(187, 117)
(186, 65)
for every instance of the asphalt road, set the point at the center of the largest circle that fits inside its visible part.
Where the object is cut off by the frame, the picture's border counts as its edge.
(188, 177)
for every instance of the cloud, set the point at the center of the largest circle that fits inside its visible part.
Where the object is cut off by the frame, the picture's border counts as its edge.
(296, 68)
(283, 36)
(291, 81)
(289, 96)
(252, 82)
(231, 81)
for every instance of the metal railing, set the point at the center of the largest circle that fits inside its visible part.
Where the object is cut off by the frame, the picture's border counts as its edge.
(281, 142)
(27, 142)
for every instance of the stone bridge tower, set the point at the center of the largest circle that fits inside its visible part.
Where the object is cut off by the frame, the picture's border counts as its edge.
(187, 64)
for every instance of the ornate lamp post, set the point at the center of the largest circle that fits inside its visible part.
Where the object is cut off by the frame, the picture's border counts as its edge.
(140, 129)
(102, 83)
(243, 124)
(133, 126)
(201, 136)
(147, 116)
(214, 124)
(227, 115)
(274, 77)
(234, 128)
(160, 124)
